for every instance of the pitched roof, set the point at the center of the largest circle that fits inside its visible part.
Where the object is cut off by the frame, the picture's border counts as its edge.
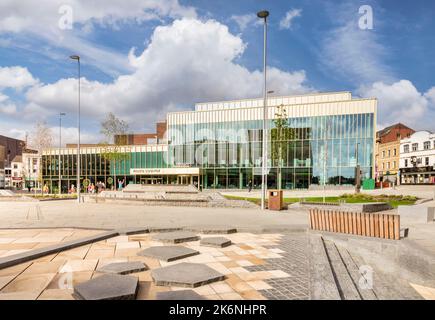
(17, 159)
(386, 130)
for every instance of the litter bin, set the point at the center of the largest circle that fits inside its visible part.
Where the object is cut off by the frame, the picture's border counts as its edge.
(275, 200)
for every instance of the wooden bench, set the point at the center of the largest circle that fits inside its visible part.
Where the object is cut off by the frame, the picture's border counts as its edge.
(377, 225)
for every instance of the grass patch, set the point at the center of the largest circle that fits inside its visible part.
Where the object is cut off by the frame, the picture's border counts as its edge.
(394, 201)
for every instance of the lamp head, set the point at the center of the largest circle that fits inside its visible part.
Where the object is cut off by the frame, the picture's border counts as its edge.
(263, 14)
(75, 57)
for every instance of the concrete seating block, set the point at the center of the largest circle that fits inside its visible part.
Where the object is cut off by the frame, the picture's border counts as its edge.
(417, 214)
(108, 287)
(168, 253)
(213, 229)
(176, 237)
(123, 267)
(217, 242)
(189, 275)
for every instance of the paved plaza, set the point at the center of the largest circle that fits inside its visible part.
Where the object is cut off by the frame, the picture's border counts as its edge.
(270, 255)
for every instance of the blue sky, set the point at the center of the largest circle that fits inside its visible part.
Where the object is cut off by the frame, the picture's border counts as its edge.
(141, 59)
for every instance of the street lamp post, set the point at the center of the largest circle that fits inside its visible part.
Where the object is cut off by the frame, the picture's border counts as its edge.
(263, 15)
(76, 57)
(60, 148)
(358, 171)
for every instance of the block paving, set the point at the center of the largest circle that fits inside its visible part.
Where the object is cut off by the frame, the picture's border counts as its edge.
(255, 266)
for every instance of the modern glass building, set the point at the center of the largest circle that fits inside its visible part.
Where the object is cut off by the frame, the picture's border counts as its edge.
(313, 139)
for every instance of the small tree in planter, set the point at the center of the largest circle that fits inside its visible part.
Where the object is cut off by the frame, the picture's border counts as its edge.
(112, 148)
(281, 134)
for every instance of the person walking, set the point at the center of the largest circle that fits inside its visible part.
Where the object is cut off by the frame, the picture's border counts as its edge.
(250, 186)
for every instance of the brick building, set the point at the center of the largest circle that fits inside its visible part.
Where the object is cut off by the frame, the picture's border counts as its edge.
(143, 138)
(387, 153)
(11, 148)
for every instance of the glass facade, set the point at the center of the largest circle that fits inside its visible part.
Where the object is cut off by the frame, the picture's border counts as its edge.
(317, 139)
(324, 149)
(95, 166)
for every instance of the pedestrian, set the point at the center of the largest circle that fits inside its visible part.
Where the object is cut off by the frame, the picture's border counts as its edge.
(120, 184)
(250, 185)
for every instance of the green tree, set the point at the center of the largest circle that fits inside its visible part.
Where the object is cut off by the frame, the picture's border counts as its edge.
(281, 135)
(114, 149)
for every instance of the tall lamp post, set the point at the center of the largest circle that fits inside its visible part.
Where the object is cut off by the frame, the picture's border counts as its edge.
(263, 15)
(76, 57)
(60, 148)
(357, 171)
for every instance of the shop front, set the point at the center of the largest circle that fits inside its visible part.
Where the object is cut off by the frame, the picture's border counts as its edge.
(418, 175)
(180, 176)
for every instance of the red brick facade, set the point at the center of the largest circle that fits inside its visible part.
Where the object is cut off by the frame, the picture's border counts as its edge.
(393, 133)
(12, 147)
(142, 138)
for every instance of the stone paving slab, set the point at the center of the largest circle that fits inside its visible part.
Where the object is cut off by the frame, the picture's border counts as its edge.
(176, 237)
(168, 253)
(108, 287)
(179, 295)
(123, 267)
(190, 275)
(217, 242)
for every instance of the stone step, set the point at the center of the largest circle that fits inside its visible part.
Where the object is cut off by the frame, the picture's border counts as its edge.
(387, 287)
(357, 273)
(323, 286)
(346, 286)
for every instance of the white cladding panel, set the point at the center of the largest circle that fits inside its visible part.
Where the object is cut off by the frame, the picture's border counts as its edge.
(289, 100)
(293, 111)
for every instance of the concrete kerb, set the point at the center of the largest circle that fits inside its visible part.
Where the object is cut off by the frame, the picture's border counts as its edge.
(38, 253)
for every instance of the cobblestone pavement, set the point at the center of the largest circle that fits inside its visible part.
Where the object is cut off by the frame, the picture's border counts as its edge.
(295, 262)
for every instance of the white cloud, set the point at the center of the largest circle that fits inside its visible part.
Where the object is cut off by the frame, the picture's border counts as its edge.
(3, 97)
(246, 20)
(8, 109)
(430, 95)
(16, 77)
(24, 15)
(287, 21)
(402, 102)
(353, 54)
(185, 62)
(28, 22)
(70, 135)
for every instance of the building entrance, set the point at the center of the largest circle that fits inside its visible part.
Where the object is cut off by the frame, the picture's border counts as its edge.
(151, 181)
(183, 180)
